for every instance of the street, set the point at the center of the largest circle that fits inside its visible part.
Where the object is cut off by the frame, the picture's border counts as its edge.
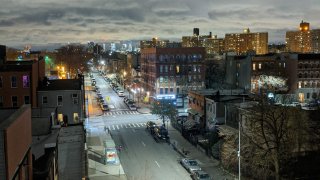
(141, 157)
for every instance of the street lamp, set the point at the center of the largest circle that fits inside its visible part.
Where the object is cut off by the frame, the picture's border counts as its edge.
(124, 74)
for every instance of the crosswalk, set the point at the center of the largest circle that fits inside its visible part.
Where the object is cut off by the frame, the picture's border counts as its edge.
(110, 113)
(125, 126)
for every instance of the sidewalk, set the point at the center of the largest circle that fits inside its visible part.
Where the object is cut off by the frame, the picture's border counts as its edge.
(180, 144)
(98, 169)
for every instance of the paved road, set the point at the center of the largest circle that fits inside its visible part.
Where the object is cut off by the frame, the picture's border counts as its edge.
(143, 158)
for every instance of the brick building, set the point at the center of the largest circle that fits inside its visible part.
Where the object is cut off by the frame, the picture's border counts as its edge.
(19, 81)
(167, 72)
(15, 143)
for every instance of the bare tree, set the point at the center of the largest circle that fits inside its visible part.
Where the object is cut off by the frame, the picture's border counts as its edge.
(266, 127)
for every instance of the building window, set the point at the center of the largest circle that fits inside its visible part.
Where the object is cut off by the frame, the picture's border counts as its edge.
(178, 69)
(166, 91)
(1, 101)
(44, 99)
(166, 68)
(254, 66)
(75, 117)
(74, 95)
(60, 117)
(260, 65)
(13, 81)
(75, 101)
(161, 90)
(161, 79)
(14, 100)
(0, 81)
(171, 89)
(299, 84)
(160, 68)
(26, 81)
(26, 99)
(59, 100)
(177, 90)
(308, 95)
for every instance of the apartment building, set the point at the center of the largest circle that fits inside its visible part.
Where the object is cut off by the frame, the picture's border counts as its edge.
(167, 72)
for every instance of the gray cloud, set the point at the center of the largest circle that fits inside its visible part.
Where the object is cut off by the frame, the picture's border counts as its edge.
(36, 21)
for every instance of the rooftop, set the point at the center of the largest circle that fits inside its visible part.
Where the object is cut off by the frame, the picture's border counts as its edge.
(71, 152)
(61, 84)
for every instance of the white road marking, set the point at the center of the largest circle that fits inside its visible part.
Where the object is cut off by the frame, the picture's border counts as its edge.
(157, 164)
(138, 125)
(126, 126)
(143, 144)
(133, 125)
(121, 126)
(118, 127)
(113, 127)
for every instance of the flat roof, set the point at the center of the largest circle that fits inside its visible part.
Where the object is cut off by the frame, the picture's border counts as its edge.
(71, 150)
(61, 84)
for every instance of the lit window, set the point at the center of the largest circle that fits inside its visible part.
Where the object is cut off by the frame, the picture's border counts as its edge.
(26, 81)
(75, 117)
(260, 65)
(161, 79)
(178, 69)
(60, 117)
(13, 81)
(299, 84)
(59, 101)
(254, 66)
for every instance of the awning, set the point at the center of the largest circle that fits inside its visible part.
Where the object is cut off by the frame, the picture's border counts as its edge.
(192, 111)
(195, 112)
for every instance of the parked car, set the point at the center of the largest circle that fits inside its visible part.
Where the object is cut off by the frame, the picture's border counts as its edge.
(190, 165)
(120, 93)
(151, 125)
(132, 107)
(130, 102)
(200, 175)
(104, 107)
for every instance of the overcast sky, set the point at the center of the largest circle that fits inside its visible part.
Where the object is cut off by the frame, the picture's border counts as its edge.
(60, 21)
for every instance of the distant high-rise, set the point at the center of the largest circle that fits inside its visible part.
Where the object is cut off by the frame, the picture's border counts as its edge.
(247, 41)
(212, 44)
(155, 42)
(303, 41)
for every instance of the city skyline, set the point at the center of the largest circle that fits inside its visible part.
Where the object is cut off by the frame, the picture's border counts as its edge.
(43, 22)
